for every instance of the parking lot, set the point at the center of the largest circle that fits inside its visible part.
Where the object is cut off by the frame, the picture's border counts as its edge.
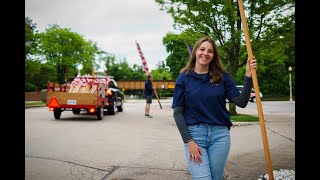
(128, 146)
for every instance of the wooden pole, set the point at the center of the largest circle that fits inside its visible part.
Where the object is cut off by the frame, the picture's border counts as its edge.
(257, 92)
(155, 92)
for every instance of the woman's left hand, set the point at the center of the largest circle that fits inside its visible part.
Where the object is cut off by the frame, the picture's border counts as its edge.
(250, 63)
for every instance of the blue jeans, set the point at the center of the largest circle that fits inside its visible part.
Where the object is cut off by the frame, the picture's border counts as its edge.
(214, 141)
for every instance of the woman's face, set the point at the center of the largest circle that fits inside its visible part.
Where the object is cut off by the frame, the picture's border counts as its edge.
(204, 53)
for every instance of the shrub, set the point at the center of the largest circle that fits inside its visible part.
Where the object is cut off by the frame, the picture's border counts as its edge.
(29, 87)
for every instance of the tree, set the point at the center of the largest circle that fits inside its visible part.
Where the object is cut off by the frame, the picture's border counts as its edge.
(275, 60)
(176, 45)
(30, 37)
(63, 48)
(161, 72)
(32, 65)
(32, 68)
(47, 73)
(138, 73)
(221, 20)
(121, 70)
(50, 54)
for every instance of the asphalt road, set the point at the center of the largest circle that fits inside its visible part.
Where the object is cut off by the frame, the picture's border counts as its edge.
(127, 146)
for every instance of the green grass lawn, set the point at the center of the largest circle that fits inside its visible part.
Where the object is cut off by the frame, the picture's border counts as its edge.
(30, 104)
(277, 98)
(244, 118)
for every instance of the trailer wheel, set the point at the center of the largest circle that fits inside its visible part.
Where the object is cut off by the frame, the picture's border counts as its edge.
(100, 113)
(76, 111)
(57, 113)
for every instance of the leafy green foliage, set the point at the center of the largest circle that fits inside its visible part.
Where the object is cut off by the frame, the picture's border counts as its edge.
(161, 73)
(47, 73)
(63, 48)
(30, 37)
(122, 70)
(29, 87)
(221, 20)
(176, 45)
(53, 55)
(31, 69)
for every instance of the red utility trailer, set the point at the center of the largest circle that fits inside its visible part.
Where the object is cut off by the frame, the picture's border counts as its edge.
(84, 93)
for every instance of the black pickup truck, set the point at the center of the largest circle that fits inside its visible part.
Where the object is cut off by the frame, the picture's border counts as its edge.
(116, 97)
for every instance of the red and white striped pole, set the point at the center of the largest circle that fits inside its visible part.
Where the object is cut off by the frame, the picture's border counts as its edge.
(146, 70)
(144, 62)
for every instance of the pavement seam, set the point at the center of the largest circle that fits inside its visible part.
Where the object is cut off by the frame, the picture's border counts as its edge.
(281, 135)
(113, 170)
(38, 157)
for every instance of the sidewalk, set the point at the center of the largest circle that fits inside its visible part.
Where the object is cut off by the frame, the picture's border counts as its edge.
(247, 157)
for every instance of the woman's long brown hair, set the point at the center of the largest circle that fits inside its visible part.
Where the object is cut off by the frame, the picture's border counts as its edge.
(215, 67)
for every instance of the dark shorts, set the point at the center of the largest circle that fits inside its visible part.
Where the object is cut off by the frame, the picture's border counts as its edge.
(149, 99)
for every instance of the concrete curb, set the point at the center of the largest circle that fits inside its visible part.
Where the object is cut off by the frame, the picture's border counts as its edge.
(243, 123)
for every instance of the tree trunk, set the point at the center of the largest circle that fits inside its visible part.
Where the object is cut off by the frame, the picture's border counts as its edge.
(233, 72)
(232, 109)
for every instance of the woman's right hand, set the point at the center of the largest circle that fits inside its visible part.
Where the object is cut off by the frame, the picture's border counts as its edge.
(195, 152)
(251, 63)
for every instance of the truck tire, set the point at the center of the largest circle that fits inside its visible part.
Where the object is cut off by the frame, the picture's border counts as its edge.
(111, 109)
(76, 111)
(57, 113)
(120, 108)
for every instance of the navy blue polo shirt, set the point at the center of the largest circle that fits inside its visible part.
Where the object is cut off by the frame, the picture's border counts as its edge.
(148, 90)
(202, 101)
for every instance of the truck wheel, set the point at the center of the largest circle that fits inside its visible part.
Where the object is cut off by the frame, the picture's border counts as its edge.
(100, 113)
(120, 108)
(76, 111)
(111, 110)
(57, 113)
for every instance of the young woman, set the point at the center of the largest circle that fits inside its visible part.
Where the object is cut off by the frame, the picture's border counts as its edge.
(199, 104)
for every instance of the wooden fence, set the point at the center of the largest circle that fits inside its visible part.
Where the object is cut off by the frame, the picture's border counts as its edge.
(139, 84)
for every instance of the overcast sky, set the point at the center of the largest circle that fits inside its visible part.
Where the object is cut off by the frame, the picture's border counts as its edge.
(114, 25)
